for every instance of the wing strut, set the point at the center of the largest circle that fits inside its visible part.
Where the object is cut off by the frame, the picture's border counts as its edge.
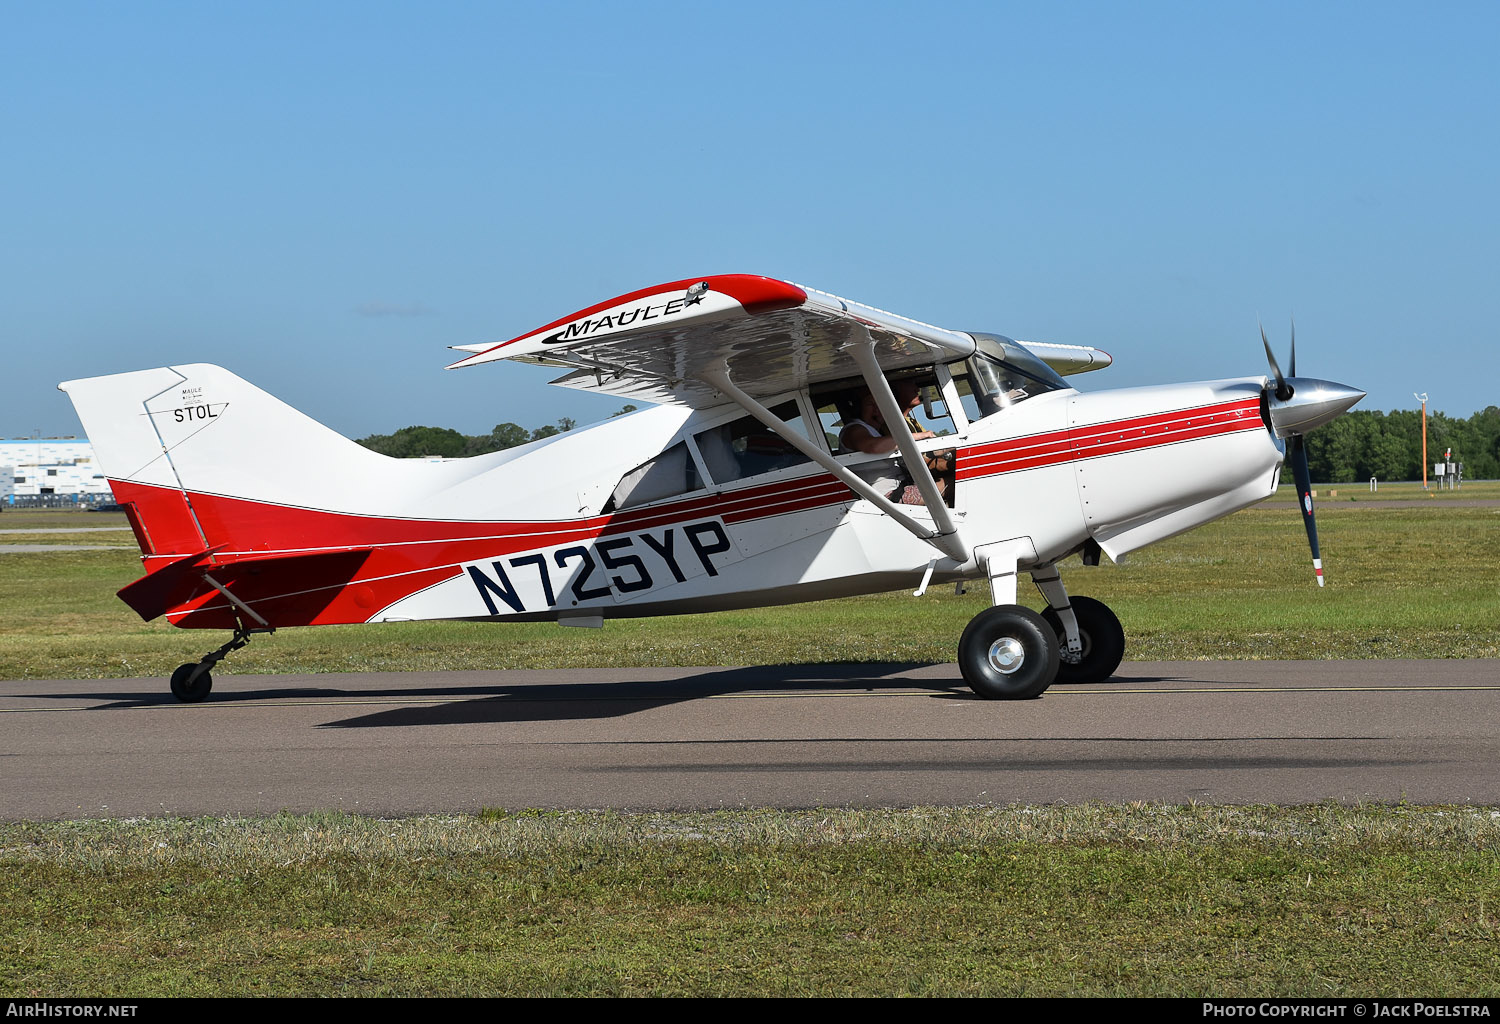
(948, 543)
(895, 422)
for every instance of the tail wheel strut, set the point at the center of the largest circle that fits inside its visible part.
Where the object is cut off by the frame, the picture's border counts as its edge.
(192, 682)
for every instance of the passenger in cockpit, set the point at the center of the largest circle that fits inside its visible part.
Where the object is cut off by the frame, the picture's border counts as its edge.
(868, 433)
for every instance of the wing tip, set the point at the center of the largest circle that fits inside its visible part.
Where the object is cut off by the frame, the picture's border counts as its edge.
(756, 294)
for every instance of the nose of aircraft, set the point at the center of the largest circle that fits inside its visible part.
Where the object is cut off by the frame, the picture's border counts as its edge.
(1312, 403)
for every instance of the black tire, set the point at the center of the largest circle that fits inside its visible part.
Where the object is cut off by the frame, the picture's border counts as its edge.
(1103, 642)
(194, 692)
(1032, 653)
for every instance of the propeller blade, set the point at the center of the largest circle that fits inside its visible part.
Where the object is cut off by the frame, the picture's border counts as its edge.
(1282, 391)
(1293, 368)
(1297, 454)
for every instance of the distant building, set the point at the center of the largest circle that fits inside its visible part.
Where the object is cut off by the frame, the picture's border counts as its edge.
(51, 471)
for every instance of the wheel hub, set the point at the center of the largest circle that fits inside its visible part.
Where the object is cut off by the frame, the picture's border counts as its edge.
(1074, 657)
(1007, 655)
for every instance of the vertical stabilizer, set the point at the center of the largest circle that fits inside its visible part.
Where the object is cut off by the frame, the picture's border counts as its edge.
(168, 436)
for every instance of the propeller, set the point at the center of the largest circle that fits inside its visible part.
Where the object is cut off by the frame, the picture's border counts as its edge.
(1301, 474)
(1283, 389)
(1297, 406)
(1297, 453)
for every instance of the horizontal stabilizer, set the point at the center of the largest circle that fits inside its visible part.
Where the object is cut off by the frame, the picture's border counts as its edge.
(167, 587)
(182, 585)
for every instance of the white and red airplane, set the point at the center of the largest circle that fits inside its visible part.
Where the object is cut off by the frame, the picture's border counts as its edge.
(732, 491)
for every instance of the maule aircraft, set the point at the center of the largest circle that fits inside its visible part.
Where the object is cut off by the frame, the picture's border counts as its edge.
(799, 446)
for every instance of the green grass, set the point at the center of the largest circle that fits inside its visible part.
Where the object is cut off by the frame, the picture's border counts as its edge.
(1403, 582)
(50, 519)
(122, 538)
(1105, 901)
(26, 526)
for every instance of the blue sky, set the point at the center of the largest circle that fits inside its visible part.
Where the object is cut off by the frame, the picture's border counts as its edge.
(322, 196)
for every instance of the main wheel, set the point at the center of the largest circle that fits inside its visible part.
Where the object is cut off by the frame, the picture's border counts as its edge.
(191, 693)
(1103, 642)
(1008, 653)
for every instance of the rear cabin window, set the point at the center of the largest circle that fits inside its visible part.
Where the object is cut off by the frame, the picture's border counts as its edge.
(746, 447)
(671, 473)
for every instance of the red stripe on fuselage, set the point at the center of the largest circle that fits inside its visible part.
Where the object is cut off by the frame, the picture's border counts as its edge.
(1113, 438)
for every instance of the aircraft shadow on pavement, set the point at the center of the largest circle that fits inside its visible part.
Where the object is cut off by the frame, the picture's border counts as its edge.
(559, 702)
(562, 701)
(556, 702)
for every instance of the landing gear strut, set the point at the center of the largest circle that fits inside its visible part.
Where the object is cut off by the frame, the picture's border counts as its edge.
(193, 681)
(1007, 652)
(1102, 638)
(1089, 636)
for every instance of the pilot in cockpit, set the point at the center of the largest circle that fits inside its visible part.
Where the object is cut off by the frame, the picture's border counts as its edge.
(868, 433)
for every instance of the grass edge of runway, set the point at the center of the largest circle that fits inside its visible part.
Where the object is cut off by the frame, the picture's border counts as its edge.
(1145, 899)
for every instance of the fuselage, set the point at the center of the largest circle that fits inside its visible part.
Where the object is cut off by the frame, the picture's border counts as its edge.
(637, 516)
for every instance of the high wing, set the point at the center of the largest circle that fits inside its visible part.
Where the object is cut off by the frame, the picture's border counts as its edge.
(768, 336)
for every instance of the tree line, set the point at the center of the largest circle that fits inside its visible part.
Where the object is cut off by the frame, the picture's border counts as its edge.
(1354, 447)
(416, 442)
(1388, 445)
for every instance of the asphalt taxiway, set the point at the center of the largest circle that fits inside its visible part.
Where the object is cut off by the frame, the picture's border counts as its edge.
(788, 736)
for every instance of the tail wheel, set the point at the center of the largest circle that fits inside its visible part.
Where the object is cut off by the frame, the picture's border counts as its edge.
(1008, 653)
(187, 689)
(1103, 642)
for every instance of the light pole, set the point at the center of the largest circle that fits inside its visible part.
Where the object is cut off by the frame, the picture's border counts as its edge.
(1423, 399)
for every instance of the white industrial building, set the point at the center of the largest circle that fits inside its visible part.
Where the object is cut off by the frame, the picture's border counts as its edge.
(51, 469)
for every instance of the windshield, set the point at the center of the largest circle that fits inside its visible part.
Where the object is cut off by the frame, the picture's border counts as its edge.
(1001, 373)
